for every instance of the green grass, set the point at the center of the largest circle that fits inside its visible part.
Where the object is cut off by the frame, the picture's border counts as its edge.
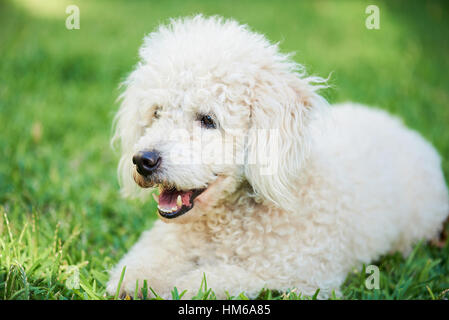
(59, 201)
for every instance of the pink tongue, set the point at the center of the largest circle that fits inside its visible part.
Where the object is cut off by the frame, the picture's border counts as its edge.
(168, 198)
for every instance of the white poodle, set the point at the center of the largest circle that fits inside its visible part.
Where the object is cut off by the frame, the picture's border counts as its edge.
(261, 183)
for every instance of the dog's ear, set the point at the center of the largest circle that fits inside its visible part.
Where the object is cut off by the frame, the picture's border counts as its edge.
(127, 130)
(282, 109)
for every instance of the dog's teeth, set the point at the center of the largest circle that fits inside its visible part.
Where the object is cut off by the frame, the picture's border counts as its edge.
(174, 208)
(179, 201)
(164, 210)
(156, 197)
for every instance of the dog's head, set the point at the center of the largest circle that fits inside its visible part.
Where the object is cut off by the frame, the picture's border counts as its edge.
(212, 106)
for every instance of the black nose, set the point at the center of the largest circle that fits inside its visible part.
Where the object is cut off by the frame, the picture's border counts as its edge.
(147, 162)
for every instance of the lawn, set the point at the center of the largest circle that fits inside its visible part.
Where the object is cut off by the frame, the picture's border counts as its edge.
(61, 215)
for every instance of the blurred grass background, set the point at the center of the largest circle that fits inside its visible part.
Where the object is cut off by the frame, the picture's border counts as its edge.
(59, 201)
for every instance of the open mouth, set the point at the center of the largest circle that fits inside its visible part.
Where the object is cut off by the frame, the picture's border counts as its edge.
(173, 203)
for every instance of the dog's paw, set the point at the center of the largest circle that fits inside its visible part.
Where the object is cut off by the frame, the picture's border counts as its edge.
(112, 288)
(130, 284)
(127, 289)
(127, 284)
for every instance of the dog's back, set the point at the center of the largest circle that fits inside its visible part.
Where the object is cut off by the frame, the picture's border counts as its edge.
(391, 175)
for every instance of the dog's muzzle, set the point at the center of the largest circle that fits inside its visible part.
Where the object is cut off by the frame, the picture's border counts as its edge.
(171, 201)
(147, 162)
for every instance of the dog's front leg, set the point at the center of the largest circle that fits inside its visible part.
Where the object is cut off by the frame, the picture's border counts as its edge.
(223, 279)
(156, 258)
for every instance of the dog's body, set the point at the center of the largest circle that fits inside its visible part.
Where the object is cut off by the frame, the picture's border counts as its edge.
(354, 184)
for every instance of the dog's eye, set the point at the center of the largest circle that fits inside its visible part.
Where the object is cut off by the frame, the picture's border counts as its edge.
(207, 121)
(156, 114)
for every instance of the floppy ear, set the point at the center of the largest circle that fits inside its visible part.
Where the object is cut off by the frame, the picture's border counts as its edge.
(279, 137)
(127, 130)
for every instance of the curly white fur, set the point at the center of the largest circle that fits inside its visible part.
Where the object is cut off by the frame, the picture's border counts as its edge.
(352, 183)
